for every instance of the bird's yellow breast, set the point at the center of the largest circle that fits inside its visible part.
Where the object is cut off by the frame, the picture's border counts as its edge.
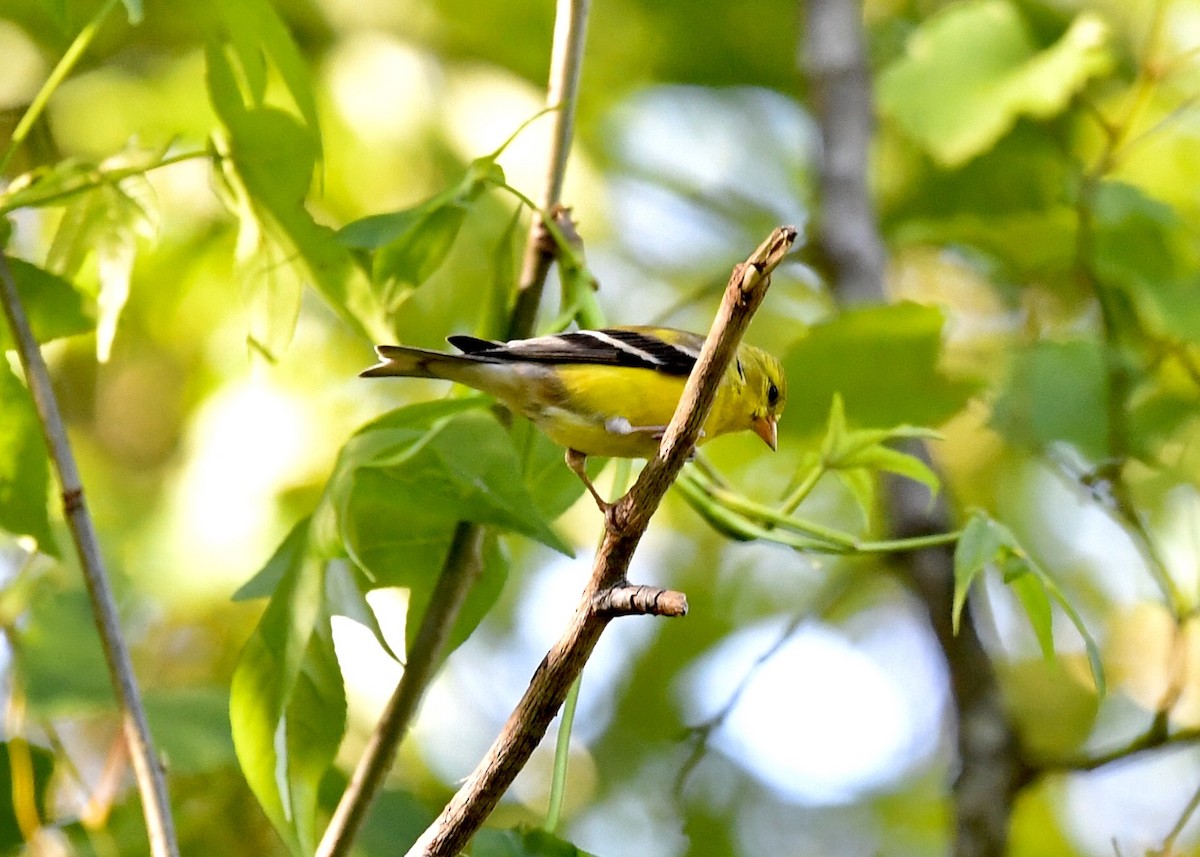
(622, 412)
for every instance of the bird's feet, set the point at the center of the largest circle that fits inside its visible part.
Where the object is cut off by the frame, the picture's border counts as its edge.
(576, 461)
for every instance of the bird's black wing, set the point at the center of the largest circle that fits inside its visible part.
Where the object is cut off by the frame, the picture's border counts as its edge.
(638, 348)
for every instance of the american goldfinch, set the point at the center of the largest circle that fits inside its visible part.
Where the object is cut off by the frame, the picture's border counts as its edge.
(604, 392)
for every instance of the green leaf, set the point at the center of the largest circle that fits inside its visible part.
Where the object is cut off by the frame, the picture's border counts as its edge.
(493, 322)
(835, 430)
(258, 34)
(272, 158)
(977, 546)
(464, 469)
(1145, 248)
(413, 257)
(345, 591)
(861, 484)
(24, 466)
(970, 71)
(985, 542)
(53, 306)
(284, 671)
(286, 556)
(112, 218)
(274, 290)
(522, 842)
(392, 542)
(882, 458)
(550, 482)
(411, 244)
(314, 725)
(1056, 391)
(481, 597)
(1033, 597)
(370, 442)
(883, 361)
(378, 230)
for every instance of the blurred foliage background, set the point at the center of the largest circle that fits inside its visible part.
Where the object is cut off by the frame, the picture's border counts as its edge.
(1035, 171)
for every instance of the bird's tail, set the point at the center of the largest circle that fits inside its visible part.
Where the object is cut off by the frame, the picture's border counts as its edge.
(407, 362)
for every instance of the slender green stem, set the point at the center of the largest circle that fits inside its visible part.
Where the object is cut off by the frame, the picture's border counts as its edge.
(1168, 845)
(738, 503)
(622, 471)
(562, 752)
(806, 486)
(57, 76)
(741, 527)
(910, 544)
(753, 520)
(101, 178)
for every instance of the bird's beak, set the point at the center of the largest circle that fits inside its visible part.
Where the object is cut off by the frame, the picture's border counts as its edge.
(765, 428)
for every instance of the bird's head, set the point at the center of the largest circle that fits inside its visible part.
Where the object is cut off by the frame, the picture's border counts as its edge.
(767, 390)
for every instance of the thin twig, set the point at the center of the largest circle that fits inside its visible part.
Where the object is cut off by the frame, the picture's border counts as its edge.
(566, 65)
(1168, 846)
(26, 197)
(1154, 739)
(463, 566)
(57, 76)
(625, 524)
(147, 767)
(702, 732)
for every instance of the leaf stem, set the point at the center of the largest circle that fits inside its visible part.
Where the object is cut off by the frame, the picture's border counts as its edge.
(911, 543)
(806, 486)
(24, 199)
(147, 767)
(59, 73)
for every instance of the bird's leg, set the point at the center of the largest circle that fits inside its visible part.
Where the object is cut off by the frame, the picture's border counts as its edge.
(575, 461)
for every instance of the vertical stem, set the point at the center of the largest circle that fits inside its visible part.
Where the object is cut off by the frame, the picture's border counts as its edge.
(147, 768)
(60, 72)
(562, 92)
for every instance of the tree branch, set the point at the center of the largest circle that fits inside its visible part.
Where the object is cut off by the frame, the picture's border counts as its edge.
(834, 61)
(992, 769)
(625, 525)
(991, 766)
(464, 563)
(146, 765)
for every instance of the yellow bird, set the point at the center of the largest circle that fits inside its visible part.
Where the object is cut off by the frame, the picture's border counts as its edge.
(607, 392)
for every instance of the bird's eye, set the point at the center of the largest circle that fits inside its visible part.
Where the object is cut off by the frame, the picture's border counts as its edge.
(772, 394)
